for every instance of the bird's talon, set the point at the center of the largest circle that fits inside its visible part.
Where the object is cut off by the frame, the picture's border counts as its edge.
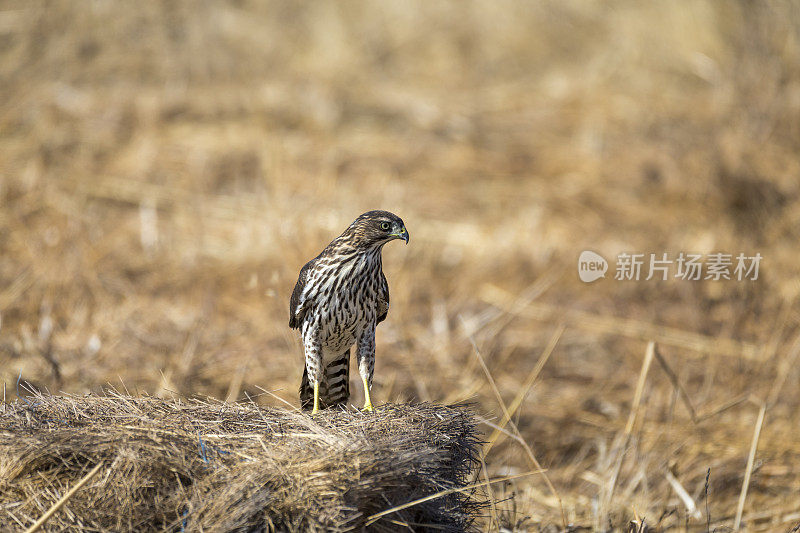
(367, 399)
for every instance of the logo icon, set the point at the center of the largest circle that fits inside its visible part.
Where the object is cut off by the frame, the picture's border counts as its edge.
(591, 266)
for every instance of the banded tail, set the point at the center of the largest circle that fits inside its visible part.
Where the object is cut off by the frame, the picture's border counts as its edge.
(334, 389)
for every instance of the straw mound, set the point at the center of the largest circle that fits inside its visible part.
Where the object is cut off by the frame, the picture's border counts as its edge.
(215, 466)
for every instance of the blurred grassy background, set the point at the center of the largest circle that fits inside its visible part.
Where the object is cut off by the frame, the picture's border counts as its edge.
(167, 168)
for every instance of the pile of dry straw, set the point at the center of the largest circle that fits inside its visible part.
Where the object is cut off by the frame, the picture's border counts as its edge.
(215, 466)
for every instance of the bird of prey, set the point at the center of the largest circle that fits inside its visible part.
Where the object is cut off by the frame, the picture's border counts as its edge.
(339, 298)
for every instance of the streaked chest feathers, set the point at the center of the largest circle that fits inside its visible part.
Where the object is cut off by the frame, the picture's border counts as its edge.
(343, 293)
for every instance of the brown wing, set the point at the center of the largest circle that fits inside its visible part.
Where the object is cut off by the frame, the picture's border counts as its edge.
(297, 307)
(383, 299)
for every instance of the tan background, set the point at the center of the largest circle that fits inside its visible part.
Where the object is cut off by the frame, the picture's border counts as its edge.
(167, 168)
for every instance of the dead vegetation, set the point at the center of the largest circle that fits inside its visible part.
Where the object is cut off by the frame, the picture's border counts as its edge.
(166, 169)
(215, 466)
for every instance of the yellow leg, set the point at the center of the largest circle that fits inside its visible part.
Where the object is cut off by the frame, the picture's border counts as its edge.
(367, 400)
(316, 398)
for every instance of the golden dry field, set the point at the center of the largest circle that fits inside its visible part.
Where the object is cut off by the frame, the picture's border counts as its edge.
(166, 168)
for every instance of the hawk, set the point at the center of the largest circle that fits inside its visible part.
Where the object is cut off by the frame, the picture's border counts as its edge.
(340, 297)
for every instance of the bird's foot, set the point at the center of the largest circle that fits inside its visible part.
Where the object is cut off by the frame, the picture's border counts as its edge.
(367, 399)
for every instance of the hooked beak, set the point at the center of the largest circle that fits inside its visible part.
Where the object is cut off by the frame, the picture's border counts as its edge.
(402, 234)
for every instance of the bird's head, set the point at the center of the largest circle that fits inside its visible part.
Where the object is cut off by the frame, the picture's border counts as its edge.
(376, 228)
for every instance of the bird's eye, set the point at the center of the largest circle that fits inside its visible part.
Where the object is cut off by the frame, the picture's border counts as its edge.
(385, 226)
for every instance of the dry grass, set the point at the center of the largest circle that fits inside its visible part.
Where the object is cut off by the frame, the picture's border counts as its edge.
(167, 168)
(217, 466)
